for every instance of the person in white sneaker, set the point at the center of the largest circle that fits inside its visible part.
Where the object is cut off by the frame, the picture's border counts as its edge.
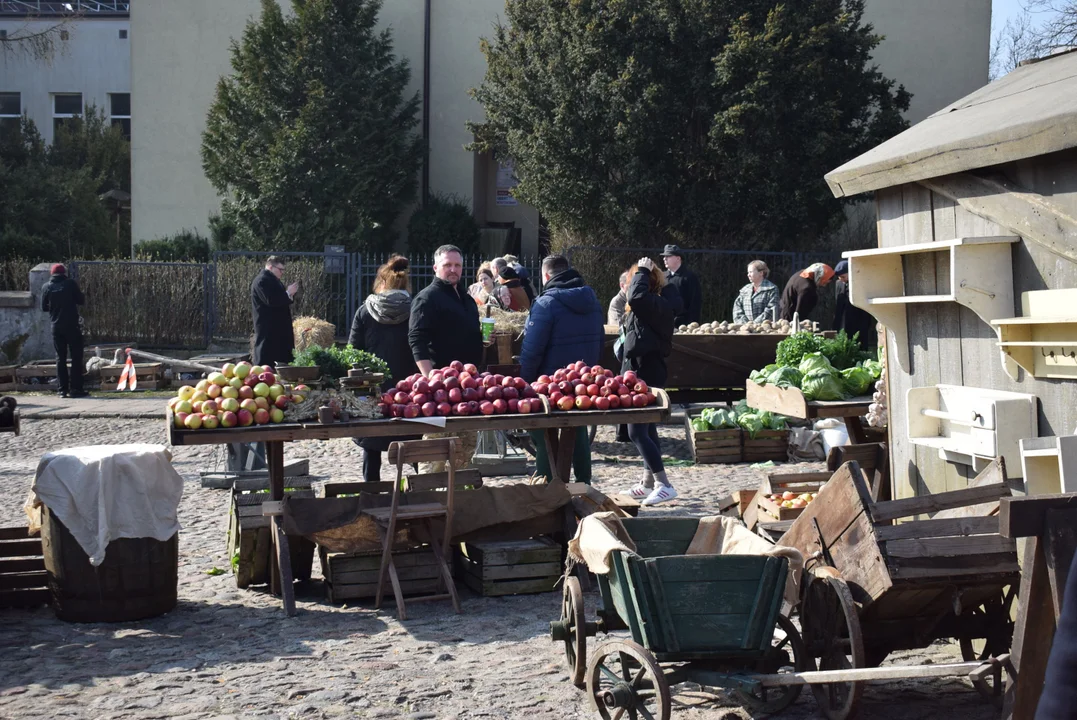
(648, 332)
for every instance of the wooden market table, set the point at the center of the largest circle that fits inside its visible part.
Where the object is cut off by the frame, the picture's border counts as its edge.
(559, 428)
(792, 403)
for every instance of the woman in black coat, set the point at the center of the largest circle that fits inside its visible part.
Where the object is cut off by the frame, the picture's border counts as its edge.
(648, 325)
(380, 327)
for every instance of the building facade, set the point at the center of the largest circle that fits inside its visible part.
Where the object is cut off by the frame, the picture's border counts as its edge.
(91, 65)
(939, 51)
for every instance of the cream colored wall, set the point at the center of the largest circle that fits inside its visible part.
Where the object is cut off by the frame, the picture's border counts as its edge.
(179, 51)
(938, 49)
(94, 61)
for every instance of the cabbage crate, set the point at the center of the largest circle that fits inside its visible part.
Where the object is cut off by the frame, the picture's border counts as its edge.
(510, 567)
(766, 445)
(714, 446)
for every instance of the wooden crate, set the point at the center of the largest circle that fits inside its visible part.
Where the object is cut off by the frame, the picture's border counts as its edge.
(8, 380)
(354, 576)
(714, 446)
(23, 580)
(510, 567)
(767, 445)
(764, 510)
(150, 376)
(249, 544)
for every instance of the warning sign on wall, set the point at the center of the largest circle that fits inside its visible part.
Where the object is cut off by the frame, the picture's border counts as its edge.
(506, 181)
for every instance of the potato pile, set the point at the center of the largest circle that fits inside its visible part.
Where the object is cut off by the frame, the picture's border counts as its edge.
(778, 327)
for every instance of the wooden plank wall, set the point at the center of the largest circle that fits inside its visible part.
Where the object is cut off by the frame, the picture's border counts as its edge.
(949, 343)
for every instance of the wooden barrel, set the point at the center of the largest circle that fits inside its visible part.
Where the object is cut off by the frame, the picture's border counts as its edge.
(138, 578)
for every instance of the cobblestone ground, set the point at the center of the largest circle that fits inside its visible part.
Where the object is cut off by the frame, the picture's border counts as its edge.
(225, 653)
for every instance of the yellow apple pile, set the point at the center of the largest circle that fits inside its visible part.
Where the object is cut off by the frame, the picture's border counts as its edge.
(790, 499)
(239, 395)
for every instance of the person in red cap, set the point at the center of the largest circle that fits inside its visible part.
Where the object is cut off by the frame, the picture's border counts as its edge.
(60, 298)
(801, 293)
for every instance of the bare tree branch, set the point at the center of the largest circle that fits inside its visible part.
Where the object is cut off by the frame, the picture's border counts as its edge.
(1014, 43)
(1059, 31)
(35, 40)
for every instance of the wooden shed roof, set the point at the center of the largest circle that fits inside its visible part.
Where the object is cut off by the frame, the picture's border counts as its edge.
(1031, 111)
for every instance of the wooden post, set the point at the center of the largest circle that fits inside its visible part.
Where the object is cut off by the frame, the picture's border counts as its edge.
(281, 561)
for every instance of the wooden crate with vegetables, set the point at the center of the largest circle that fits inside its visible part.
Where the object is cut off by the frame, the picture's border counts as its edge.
(783, 496)
(712, 443)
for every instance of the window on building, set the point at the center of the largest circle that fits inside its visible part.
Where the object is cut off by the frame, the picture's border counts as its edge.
(10, 112)
(123, 34)
(120, 111)
(65, 106)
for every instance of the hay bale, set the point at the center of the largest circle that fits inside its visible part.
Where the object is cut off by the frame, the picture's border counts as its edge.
(310, 331)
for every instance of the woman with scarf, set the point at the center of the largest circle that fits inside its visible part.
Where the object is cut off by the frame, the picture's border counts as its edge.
(802, 291)
(380, 327)
(648, 341)
(518, 299)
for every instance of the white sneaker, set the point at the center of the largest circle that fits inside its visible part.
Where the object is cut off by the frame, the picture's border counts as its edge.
(638, 492)
(660, 494)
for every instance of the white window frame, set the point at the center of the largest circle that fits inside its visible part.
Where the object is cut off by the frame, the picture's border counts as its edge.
(63, 116)
(127, 117)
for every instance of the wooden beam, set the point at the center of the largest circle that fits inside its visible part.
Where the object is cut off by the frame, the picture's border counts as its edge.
(1032, 216)
(1027, 516)
(1033, 634)
(937, 528)
(894, 509)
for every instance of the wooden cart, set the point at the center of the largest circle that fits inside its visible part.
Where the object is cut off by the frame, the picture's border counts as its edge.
(874, 587)
(792, 403)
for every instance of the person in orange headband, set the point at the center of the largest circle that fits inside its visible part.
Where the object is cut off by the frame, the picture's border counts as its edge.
(802, 291)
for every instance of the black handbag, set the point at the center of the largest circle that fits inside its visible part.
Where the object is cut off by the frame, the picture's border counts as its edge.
(640, 340)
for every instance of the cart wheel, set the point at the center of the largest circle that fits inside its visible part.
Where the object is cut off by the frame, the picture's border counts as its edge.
(995, 614)
(831, 625)
(574, 633)
(777, 660)
(624, 678)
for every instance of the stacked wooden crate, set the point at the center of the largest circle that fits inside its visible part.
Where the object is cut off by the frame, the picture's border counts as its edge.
(767, 445)
(510, 567)
(23, 581)
(8, 380)
(763, 511)
(714, 446)
(354, 576)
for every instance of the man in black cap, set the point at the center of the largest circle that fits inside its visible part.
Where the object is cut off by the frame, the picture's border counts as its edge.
(60, 298)
(849, 317)
(687, 285)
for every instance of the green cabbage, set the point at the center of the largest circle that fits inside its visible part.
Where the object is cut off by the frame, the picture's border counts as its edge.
(823, 385)
(784, 377)
(874, 367)
(751, 423)
(759, 377)
(718, 418)
(700, 425)
(771, 421)
(858, 380)
(815, 362)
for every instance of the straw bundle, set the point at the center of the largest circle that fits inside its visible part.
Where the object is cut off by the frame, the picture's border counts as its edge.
(509, 321)
(310, 331)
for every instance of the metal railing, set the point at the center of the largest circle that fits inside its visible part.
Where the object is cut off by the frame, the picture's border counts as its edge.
(86, 8)
(188, 305)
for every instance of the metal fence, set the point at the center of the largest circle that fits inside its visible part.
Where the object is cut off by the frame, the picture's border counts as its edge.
(190, 305)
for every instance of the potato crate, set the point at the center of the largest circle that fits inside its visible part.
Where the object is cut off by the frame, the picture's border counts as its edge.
(714, 446)
(767, 445)
(510, 567)
(764, 510)
(250, 546)
(23, 580)
(8, 381)
(150, 376)
(354, 576)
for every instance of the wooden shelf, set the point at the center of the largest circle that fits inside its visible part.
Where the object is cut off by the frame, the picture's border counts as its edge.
(1049, 464)
(980, 278)
(972, 426)
(1043, 341)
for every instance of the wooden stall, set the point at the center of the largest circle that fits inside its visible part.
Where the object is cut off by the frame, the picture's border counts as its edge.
(975, 209)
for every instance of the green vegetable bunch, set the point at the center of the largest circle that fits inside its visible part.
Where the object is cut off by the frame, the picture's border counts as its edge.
(796, 346)
(335, 362)
(739, 416)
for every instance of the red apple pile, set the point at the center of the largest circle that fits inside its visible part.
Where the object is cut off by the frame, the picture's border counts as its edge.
(237, 396)
(582, 387)
(459, 390)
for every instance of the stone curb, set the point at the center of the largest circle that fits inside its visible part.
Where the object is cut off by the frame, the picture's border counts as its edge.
(90, 415)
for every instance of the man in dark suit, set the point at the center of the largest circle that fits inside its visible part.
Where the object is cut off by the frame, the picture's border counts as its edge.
(687, 284)
(271, 307)
(60, 298)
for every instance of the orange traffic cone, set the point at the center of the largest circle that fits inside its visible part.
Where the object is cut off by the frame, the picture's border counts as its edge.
(128, 377)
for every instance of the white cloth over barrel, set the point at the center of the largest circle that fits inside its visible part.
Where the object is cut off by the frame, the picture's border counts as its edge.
(104, 492)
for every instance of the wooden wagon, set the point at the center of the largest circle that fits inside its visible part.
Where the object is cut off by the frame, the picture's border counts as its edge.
(875, 586)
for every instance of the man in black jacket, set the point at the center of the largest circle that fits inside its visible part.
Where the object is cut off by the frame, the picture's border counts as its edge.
(444, 322)
(271, 307)
(60, 298)
(687, 285)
